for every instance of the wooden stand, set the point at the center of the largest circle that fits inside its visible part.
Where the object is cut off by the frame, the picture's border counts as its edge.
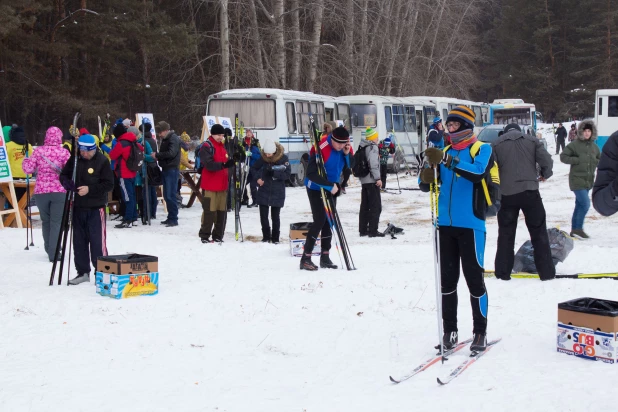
(8, 189)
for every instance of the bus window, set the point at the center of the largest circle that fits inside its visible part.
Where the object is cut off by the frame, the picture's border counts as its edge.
(302, 112)
(343, 114)
(398, 119)
(291, 115)
(479, 116)
(444, 115)
(388, 115)
(612, 106)
(430, 113)
(364, 115)
(330, 115)
(600, 106)
(317, 109)
(419, 122)
(258, 114)
(410, 119)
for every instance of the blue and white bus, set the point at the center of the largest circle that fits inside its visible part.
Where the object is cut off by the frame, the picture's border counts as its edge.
(506, 111)
(446, 104)
(606, 114)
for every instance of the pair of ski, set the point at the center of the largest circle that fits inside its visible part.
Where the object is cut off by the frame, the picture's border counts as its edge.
(474, 356)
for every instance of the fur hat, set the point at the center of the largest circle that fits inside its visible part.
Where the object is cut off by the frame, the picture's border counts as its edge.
(340, 135)
(463, 115)
(269, 147)
(87, 142)
(216, 129)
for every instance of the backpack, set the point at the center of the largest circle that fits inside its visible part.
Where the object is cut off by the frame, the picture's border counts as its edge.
(136, 157)
(361, 165)
(490, 183)
(198, 162)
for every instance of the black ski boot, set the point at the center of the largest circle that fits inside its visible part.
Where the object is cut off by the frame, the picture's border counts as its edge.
(307, 264)
(326, 263)
(124, 224)
(266, 235)
(479, 342)
(449, 340)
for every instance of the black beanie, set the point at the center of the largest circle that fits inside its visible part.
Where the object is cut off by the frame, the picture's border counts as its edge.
(512, 126)
(119, 130)
(146, 126)
(228, 132)
(340, 135)
(216, 129)
(18, 135)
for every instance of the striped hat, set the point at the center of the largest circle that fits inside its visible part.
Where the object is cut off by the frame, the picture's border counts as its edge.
(87, 142)
(371, 134)
(463, 115)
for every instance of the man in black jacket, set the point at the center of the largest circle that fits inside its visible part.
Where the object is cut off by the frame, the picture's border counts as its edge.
(169, 161)
(605, 190)
(561, 134)
(93, 180)
(517, 155)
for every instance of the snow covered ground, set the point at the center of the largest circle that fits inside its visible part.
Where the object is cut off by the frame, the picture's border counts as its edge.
(239, 327)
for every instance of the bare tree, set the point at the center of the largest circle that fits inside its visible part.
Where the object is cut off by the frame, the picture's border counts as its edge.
(315, 44)
(225, 45)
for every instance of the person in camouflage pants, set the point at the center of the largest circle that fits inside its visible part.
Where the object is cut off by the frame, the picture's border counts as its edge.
(386, 148)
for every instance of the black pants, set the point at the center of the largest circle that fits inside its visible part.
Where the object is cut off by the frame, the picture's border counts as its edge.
(320, 226)
(252, 182)
(117, 195)
(274, 215)
(346, 176)
(370, 209)
(466, 247)
(139, 198)
(383, 175)
(531, 205)
(559, 144)
(89, 238)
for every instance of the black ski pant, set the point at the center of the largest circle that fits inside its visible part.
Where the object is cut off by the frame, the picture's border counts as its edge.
(370, 209)
(320, 226)
(274, 216)
(531, 204)
(89, 238)
(252, 182)
(117, 195)
(346, 176)
(465, 247)
(383, 175)
(559, 144)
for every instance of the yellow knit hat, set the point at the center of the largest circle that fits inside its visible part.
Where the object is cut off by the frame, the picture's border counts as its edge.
(371, 134)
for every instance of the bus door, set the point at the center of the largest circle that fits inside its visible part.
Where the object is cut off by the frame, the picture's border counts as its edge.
(420, 128)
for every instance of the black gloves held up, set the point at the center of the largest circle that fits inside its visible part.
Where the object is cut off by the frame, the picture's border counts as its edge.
(228, 164)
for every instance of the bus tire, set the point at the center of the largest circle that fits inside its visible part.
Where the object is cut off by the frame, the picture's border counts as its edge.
(298, 179)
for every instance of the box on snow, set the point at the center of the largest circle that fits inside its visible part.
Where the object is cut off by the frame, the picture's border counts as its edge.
(298, 234)
(125, 276)
(588, 328)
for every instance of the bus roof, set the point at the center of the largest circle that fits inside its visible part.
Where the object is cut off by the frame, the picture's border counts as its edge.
(436, 99)
(607, 92)
(365, 99)
(271, 94)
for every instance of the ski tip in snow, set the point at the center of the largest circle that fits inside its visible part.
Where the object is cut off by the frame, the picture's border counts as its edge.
(394, 380)
(440, 382)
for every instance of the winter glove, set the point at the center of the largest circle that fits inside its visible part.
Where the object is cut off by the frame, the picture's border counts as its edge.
(228, 164)
(427, 175)
(278, 168)
(437, 156)
(68, 184)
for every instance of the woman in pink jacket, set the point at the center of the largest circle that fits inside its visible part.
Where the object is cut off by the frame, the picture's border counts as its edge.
(47, 162)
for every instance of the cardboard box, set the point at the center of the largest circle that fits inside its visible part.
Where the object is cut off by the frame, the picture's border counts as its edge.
(125, 276)
(128, 264)
(298, 234)
(588, 328)
(127, 286)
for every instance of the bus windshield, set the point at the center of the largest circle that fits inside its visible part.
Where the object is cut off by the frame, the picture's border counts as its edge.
(517, 115)
(258, 114)
(364, 115)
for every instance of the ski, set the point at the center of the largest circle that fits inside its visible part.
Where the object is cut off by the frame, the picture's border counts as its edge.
(431, 361)
(474, 356)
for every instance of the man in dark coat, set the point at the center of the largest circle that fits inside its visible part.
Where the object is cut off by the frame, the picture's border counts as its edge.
(169, 161)
(517, 155)
(561, 134)
(94, 179)
(605, 190)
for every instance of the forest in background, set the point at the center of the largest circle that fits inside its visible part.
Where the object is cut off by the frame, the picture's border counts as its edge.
(167, 57)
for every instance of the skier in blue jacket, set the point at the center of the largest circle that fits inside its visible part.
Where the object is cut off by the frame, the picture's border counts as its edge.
(461, 222)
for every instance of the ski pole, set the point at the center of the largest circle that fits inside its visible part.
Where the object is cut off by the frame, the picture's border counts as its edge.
(436, 250)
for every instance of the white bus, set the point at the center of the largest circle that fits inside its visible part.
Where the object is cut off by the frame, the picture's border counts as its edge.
(282, 116)
(405, 119)
(606, 114)
(446, 104)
